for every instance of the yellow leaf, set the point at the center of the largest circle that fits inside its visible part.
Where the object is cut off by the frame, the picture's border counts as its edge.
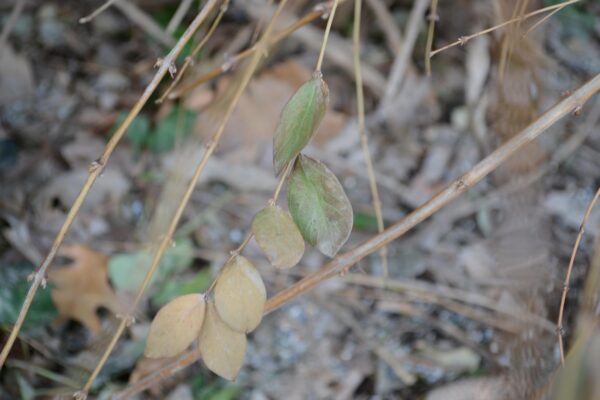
(175, 326)
(81, 287)
(240, 295)
(222, 348)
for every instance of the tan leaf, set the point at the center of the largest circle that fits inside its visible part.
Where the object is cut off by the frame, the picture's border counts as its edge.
(240, 295)
(175, 326)
(222, 348)
(278, 236)
(80, 288)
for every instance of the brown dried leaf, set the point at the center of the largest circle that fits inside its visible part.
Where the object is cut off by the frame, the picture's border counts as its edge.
(176, 326)
(278, 236)
(82, 287)
(240, 295)
(222, 348)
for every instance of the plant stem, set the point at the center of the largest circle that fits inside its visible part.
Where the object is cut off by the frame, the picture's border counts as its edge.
(189, 59)
(343, 262)
(326, 36)
(166, 240)
(563, 297)
(430, 33)
(95, 170)
(464, 39)
(234, 60)
(364, 141)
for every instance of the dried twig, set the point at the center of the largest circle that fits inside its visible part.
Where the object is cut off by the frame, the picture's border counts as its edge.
(364, 141)
(190, 59)
(326, 35)
(464, 39)
(343, 262)
(39, 276)
(234, 60)
(563, 298)
(166, 239)
(98, 11)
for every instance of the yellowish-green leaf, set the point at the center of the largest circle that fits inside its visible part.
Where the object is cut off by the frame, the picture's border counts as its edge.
(176, 326)
(319, 205)
(240, 295)
(278, 236)
(222, 348)
(299, 120)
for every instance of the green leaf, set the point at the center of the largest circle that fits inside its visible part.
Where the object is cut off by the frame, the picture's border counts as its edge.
(299, 120)
(365, 222)
(319, 205)
(127, 270)
(277, 235)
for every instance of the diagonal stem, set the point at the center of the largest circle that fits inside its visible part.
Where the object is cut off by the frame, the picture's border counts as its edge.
(343, 262)
(166, 240)
(95, 170)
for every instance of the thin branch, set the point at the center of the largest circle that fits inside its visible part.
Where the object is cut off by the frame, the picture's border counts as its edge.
(343, 262)
(39, 276)
(232, 61)
(190, 59)
(433, 17)
(563, 298)
(166, 239)
(98, 11)
(464, 39)
(402, 59)
(364, 141)
(326, 36)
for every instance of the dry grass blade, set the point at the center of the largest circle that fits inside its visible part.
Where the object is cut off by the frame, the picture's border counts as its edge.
(344, 261)
(98, 11)
(95, 170)
(563, 298)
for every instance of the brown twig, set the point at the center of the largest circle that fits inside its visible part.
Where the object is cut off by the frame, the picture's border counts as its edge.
(232, 61)
(343, 262)
(464, 39)
(433, 17)
(39, 276)
(166, 239)
(190, 59)
(563, 298)
(364, 141)
(98, 11)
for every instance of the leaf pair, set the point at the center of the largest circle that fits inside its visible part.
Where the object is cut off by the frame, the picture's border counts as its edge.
(220, 326)
(321, 214)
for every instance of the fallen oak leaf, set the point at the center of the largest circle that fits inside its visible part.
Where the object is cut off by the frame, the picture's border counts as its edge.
(81, 287)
